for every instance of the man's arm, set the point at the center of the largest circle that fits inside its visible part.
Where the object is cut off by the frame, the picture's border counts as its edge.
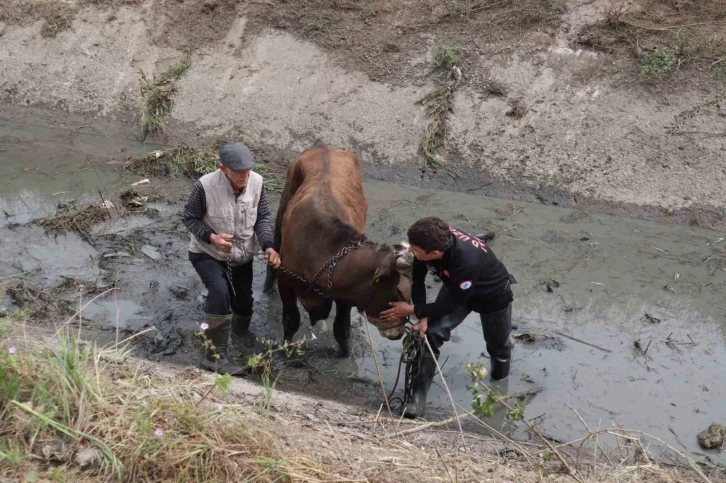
(194, 210)
(418, 288)
(461, 288)
(264, 227)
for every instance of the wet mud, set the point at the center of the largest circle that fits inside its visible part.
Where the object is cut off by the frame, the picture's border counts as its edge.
(620, 319)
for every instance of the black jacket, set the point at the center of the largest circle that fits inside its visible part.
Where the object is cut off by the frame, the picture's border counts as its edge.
(471, 272)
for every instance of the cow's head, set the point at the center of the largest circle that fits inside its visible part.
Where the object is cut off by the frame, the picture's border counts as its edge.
(391, 282)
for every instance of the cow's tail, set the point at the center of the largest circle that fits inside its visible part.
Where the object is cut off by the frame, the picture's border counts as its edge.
(292, 183)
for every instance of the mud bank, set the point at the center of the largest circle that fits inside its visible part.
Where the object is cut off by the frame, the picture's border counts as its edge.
(586, 341)
(608, 142)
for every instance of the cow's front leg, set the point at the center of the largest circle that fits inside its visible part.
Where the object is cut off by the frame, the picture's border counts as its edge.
(290, 312)
(320, 313)
(341, 328)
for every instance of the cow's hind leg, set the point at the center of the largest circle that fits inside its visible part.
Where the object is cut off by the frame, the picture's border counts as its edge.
(341, 328)
(290, 312)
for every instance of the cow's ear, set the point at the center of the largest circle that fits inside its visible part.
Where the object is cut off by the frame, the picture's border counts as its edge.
(380, 273)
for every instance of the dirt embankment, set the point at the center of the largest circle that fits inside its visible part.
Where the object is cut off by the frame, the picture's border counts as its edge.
(615, 105)
(72, 412)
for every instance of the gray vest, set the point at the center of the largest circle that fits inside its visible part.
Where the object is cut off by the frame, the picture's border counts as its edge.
(229, 214)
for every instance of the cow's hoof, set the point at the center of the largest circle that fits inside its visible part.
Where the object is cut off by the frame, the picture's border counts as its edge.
(280, 361)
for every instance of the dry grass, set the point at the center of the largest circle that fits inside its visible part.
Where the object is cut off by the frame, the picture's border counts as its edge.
(59, 403)
(381, 36)
(56, 16)
(664, 40)
(71, 217)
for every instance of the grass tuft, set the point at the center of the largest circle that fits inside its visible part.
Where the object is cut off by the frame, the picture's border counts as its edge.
(157, 93)
(659, 64)
(448, 56)
(193, 162)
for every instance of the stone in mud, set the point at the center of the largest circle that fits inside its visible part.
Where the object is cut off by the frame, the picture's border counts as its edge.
(712, 437)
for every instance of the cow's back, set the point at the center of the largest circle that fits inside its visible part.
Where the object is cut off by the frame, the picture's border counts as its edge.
(323, 189)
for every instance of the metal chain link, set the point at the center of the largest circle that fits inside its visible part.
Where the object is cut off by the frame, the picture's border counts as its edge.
(245, 254)
(329, 265)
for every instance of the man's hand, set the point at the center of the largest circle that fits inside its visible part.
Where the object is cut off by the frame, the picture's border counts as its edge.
(397, 311)
(421, 327)
(223, 241)
(273, 258)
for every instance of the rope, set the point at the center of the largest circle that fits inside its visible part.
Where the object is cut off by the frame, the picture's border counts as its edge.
(411, 355)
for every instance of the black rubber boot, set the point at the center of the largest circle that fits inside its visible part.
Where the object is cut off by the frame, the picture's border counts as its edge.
(240, 326)
(416, 407)
(497, 327)
(500, 368)
(215, 357)
(486, 236)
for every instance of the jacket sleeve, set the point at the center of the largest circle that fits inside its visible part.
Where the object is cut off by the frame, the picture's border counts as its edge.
(461, 288)
(418, 288)
(194, 210)
(264, 225)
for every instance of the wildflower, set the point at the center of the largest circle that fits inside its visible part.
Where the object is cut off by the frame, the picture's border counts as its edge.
(159, 432)
(12, 350)
(204, 326)
(219, 406)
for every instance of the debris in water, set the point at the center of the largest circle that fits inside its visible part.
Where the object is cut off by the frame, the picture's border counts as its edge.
(550, 284)
(527, 337)
(81, 219)
(650, 318)
(151, 252)
(713, 437)
(133, 200)
(117, 255)
(141, 182)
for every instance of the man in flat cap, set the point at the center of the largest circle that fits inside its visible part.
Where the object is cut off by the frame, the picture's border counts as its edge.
(228, 215)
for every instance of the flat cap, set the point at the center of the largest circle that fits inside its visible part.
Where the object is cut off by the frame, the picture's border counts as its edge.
(237, 157)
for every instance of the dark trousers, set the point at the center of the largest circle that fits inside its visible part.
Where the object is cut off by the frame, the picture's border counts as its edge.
(496, 322)
(221, 300)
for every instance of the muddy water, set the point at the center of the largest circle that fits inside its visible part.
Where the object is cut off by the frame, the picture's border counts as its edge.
(604, 273)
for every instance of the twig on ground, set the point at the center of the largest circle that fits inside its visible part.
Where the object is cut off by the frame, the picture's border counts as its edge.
(582, 342)
(431, 424)
(446, 386)
(378, 369)
(80, 310)
(533, 427)
(597, 441)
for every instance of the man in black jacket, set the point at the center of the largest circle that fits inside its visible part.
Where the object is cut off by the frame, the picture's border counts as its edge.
(474, 280)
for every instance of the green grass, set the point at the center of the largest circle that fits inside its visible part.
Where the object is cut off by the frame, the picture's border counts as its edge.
(448, 56)
(659, 64)
(74, 396)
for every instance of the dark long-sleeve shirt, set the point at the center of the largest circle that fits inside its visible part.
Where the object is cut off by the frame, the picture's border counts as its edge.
(196, 207)
(471, 272)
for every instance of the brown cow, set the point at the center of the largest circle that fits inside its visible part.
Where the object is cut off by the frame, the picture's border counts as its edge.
(323, 210)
